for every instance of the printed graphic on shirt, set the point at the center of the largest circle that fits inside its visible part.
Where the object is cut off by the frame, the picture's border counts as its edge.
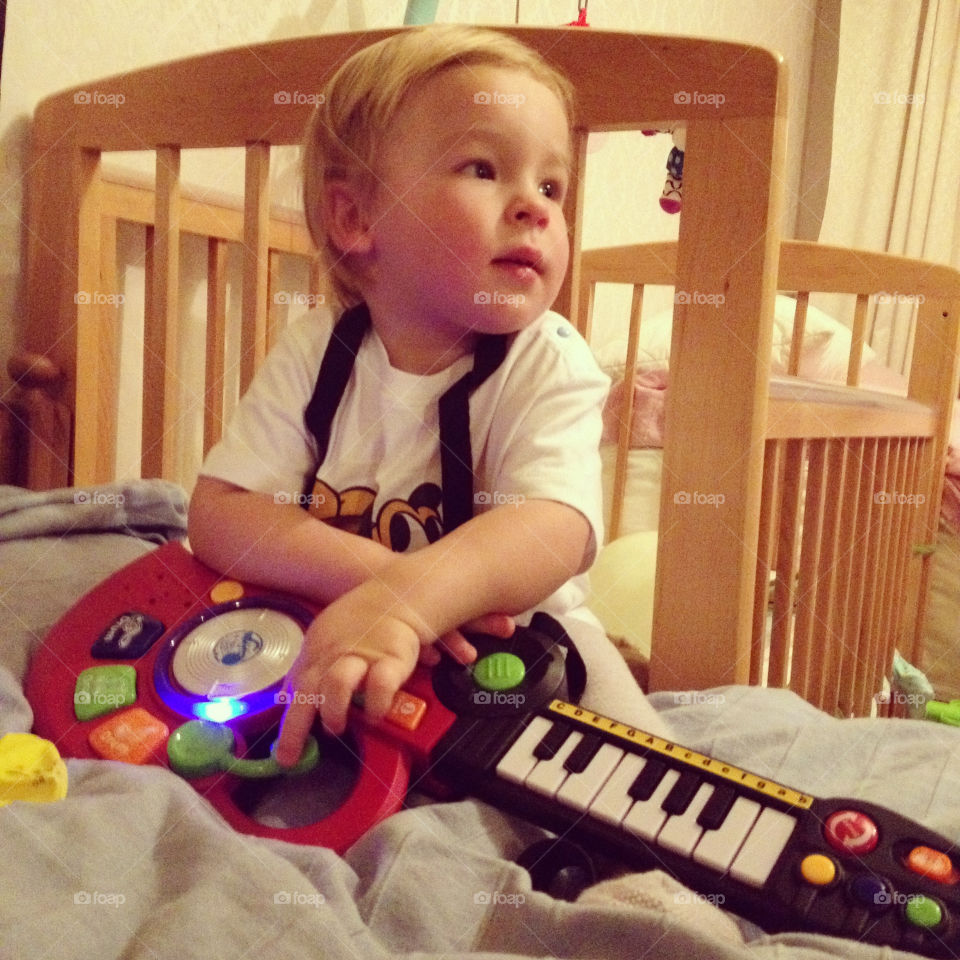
(399, 524)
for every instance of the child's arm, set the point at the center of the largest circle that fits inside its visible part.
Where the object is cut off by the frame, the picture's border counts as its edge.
(250, 536)
(509, 558)
(279, 545)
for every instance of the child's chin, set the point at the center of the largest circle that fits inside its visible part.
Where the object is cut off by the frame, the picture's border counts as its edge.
(505, 317)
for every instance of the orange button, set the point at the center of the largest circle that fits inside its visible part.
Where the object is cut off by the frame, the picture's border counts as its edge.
(130, 736)
(406, 710)
(932, 864)
(225, 591)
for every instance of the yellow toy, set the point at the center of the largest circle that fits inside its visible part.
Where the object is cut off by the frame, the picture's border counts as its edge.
(30, 769)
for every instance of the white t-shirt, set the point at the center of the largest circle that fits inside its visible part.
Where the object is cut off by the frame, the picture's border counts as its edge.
(535, 427)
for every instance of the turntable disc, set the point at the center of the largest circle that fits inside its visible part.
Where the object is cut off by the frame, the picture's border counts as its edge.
(237, 652)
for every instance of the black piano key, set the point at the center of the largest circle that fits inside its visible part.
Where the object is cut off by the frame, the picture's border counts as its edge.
(647, 780)
(715, 810)
(583, 753)
(552, 741)
(681, 793)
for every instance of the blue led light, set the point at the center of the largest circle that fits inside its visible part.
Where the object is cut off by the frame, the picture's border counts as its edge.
(219, 710)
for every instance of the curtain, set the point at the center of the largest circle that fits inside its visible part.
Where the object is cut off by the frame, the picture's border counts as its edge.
(895, 167)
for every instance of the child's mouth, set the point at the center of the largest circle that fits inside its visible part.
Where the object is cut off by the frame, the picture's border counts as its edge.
(521, 264)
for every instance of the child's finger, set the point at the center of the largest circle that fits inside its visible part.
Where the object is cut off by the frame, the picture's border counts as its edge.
(384, 679)
(340, 681)
(430, 655)
(295, 727)
(496, 624)
(457, 645)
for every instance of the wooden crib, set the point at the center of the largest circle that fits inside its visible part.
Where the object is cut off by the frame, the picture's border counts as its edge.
(838, 613)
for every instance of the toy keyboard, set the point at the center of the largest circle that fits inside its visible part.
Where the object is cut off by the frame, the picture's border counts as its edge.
(168, 663)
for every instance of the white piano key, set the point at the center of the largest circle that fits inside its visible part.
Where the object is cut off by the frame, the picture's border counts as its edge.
(646, 817)
(612, 802)
(763, 846)
(717, 848)
(519, 760)
(579, 789)
(681, 833)
(548, 775)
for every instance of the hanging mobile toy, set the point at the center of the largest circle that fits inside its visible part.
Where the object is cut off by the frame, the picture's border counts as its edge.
(671, 198)
(581, 20)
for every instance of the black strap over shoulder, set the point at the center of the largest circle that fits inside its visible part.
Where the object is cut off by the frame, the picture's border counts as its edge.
(456, 456)
(335, 369)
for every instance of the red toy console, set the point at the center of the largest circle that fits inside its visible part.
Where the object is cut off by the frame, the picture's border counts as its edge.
(166, 662)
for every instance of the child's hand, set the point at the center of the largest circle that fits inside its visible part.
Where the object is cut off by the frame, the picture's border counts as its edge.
(456, 644)
(350, 647)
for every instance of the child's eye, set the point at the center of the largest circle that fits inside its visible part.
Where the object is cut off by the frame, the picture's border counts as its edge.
(552, 190)
(479, 169)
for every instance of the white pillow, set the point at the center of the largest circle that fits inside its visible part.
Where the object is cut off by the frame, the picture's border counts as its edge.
(621, 588)
(826, 344)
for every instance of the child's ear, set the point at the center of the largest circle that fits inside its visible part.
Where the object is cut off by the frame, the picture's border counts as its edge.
(345, 217)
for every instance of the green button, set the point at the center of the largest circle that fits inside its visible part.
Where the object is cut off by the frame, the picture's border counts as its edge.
(499, 671)
(199, 748)
(101, 690)
(923, 911)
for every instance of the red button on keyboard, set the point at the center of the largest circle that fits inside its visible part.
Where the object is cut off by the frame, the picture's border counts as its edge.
(851, 832)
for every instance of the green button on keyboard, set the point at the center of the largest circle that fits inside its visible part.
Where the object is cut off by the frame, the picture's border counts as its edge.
(499, 671)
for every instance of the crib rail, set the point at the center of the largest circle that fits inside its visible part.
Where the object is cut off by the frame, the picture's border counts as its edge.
(165, 211)
(851, 484)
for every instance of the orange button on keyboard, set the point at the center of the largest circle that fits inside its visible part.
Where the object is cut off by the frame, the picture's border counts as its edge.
(406, 710)
(932, 864)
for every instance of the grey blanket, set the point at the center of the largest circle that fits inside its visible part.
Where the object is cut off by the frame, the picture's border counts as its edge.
(135, 864)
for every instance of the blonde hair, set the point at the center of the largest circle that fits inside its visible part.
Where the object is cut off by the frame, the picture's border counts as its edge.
(362, 98)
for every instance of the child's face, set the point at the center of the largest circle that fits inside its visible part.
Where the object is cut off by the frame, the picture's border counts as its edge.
(467, 225)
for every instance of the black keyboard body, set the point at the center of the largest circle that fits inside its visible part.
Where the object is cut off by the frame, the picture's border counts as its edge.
(838, 866)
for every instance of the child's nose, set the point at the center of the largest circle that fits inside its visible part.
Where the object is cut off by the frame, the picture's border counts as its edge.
(530, 205)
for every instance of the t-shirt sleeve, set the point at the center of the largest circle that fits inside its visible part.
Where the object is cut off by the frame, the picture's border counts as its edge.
(266, 446)
(546, 437)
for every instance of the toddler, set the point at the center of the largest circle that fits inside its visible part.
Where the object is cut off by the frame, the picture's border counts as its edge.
(442, 432)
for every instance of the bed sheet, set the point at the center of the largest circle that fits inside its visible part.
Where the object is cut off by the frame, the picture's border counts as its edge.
(134, 864)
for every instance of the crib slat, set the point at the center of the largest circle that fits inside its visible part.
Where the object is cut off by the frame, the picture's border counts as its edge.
(256, 216)
(88, 459)
(799, 327)
(911, 533)
(828, 609)
(108, 391)
(785, 583)
(880, 461)
(568, 302)
(161, 320)
(626, 413)
(883, 648)
(867, 540)
(274, 326)
(805, 641)
(853, 536)
(766, 554)
(857, 339)
(216, 342)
